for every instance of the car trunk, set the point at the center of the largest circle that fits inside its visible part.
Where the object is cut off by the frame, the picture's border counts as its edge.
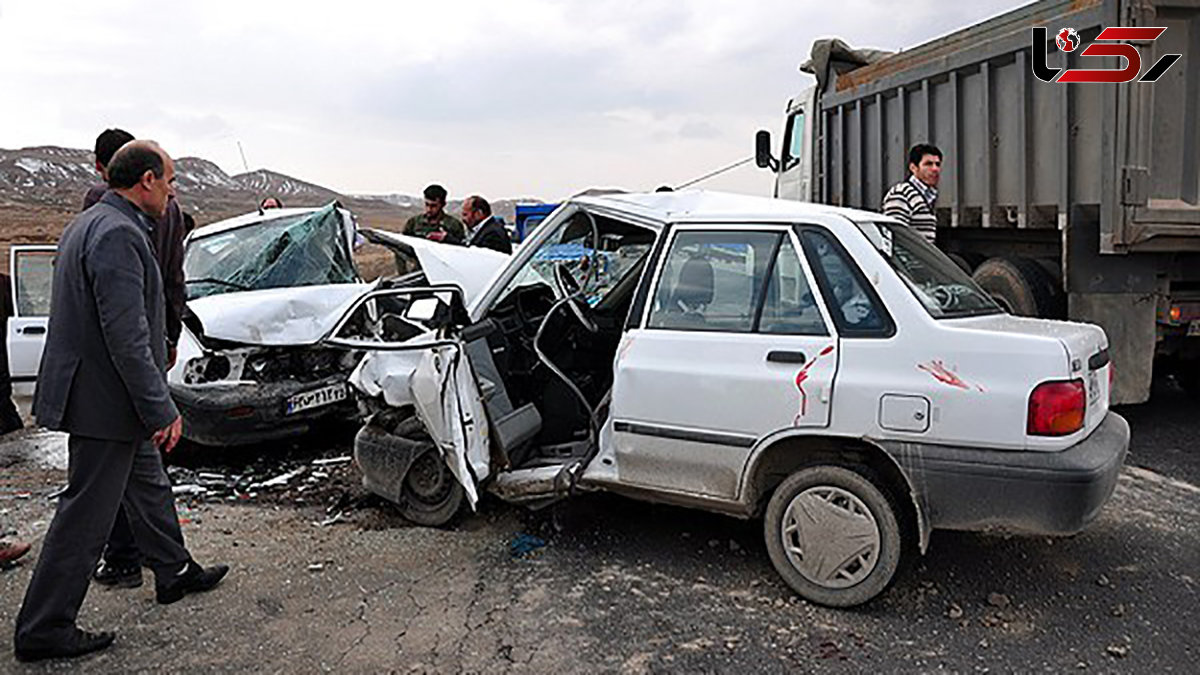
(1085, 354)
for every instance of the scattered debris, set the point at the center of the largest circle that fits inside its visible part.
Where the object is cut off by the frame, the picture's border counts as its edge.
(1103, 582)
(522, 545)
(998, 600)
(1117, 651)
(955, 612)
(188, 489)
(335, 518)
(280, 480)
(1117, 610)
(330, 461)
(316, 567)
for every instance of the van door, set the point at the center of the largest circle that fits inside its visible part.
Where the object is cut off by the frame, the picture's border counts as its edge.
(734, 345)
(31, 272)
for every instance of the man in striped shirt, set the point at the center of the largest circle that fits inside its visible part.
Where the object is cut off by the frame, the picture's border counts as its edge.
(911, 201)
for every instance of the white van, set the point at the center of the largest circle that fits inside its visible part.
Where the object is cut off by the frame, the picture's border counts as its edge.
(821, 368)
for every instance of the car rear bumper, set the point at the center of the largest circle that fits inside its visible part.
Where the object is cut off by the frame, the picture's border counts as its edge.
(245, 414)
(1034, 492)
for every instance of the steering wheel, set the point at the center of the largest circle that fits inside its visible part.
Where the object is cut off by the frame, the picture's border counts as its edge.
(569, 287)
(945, 298)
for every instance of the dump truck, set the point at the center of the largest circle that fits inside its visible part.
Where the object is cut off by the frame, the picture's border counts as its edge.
(1078, 201)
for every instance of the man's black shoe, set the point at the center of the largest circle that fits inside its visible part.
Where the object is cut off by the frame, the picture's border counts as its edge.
(79, 643)
(118, 576)
(192, 579)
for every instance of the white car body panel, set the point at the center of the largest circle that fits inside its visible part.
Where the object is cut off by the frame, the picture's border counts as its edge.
(30, 271)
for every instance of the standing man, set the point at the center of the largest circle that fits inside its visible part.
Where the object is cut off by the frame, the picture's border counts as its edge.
(483, 229)
(103, 380)
(121, 562)
(435, 223)
(911, 201)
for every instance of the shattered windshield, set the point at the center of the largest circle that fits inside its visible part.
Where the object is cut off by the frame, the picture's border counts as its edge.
(299, 250)
(942, 287)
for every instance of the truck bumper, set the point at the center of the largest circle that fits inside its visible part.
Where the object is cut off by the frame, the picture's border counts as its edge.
(1033, 492)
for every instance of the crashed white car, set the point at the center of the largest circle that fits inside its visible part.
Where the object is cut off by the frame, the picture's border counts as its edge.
(263, 290)
(824, 369)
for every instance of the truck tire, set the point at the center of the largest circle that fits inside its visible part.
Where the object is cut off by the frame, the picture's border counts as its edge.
(1021, 287)
(967, 261)
(833, 535)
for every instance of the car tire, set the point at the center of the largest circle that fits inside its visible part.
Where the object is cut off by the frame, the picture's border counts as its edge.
(843, 512)
(430, 495)
(1021, 286)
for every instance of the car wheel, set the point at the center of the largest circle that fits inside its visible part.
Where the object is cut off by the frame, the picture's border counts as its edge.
(833, 536)
(430, 494)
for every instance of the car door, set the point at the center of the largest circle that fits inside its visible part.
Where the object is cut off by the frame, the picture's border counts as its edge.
(31, 272)
(734, 345)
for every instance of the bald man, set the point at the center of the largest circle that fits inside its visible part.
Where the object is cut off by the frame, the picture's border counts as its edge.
(103, 381)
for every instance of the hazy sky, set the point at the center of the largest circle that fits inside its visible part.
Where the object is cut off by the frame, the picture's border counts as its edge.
(509, 98)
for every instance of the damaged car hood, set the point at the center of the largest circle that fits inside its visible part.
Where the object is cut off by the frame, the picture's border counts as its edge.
(469, 267)
(277, 316)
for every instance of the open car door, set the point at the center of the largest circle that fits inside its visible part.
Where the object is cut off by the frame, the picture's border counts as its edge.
(31, 271)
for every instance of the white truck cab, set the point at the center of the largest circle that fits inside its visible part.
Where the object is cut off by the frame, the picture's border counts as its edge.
(822, 368)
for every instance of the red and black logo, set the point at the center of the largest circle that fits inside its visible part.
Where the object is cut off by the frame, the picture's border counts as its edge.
(1115, 44)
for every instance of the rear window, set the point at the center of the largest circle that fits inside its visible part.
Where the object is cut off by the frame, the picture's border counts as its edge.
(942, 287)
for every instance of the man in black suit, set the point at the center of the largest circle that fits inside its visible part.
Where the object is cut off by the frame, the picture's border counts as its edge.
(484, 229)
(102, 379)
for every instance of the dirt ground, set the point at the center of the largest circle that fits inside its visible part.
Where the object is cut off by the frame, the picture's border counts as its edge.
(607, 584)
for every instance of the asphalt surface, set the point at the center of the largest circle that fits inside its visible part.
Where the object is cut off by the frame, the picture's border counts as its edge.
(603, 583)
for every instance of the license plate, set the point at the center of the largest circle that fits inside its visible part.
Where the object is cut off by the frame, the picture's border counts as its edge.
(1093, 387)
(317, 398)
(1193, 328)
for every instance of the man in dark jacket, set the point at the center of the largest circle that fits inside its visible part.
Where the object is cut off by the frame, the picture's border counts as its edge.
(121, 563)
(484, 229)
(102, 379)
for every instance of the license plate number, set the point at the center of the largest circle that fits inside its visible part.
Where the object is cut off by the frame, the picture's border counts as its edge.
(316, 398)
(1093, 387)
(1193, 328)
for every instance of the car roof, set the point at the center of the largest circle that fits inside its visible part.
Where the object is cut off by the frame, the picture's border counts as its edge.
(248, 219)
(706, 206)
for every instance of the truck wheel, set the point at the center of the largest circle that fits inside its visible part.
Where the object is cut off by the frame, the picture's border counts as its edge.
(430, 495)
(1020, 286)
(968, 262)
(833, 536)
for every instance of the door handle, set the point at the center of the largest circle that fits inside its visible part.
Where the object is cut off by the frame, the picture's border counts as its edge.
(34, 330)
(786, 357)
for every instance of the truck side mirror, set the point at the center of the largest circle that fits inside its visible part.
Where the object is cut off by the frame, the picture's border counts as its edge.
(762, 151)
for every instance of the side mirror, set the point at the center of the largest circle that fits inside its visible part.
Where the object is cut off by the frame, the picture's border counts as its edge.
(762, 151)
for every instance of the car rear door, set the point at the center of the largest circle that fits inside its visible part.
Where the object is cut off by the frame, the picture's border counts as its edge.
(734, 345)
(31, 272)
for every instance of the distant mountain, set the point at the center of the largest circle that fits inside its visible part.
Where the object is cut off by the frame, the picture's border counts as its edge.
(49, 178)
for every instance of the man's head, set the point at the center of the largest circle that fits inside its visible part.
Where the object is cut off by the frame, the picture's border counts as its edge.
(107, 144)
(270, 203)
(925, 162)
(144, 174)
(475, 210)
(435, 200)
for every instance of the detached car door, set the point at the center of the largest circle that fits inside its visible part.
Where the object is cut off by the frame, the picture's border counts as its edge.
(734, 345)
(31, 272)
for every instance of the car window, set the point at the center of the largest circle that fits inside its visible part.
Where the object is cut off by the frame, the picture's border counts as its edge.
(942, 287)
(712, 281)
(621, 248)
(856, 311)
(35, 271)
(789, 307)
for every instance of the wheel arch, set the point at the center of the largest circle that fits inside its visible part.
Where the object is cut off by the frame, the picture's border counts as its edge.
(776, 457)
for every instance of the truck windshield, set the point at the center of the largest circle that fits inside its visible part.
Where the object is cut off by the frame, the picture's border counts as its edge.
(942, 287)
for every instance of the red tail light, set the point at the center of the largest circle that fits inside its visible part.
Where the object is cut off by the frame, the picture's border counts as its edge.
(1057, 408)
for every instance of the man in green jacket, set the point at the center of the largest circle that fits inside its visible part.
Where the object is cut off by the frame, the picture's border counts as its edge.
(435, 223)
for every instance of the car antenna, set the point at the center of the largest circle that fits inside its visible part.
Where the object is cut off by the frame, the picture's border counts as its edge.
(246, 166)
(713, 174)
